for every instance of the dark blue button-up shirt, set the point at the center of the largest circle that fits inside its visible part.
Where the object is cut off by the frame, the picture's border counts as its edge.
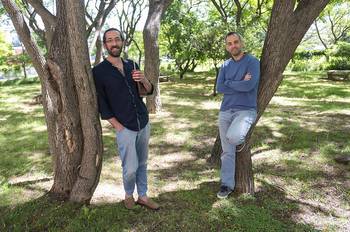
(118, 95)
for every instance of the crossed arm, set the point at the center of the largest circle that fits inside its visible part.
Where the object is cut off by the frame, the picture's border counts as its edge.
(248, 83)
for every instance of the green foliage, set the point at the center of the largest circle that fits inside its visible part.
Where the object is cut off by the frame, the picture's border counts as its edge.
(10, 61)
(18, 61)
(334, 23)
(339, 56)
(338, 63)
(5, 53)
(194, 34)
(341, 49)
(2, 10)
(182, 33)
(308, 60)
(133, 52)
(252, 23)
(214, 43)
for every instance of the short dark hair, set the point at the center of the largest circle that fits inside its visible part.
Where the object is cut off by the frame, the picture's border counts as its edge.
(234, 33)
(112, 29)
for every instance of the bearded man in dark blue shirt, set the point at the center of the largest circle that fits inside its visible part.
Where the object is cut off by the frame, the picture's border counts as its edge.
(119, 101)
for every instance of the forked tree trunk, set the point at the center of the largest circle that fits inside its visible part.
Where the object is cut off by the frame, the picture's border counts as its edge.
(288, 25)
(69, 99)
(150, 40)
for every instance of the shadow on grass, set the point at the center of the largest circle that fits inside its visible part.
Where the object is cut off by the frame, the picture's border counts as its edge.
(312, 88)
(17, 145)
(296, 137)
(196, 209)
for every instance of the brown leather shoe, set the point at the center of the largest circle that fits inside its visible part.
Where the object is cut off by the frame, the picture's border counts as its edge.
(129, 202)
(149, 204)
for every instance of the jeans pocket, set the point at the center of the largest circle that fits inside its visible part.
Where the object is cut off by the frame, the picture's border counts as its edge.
(120, 134)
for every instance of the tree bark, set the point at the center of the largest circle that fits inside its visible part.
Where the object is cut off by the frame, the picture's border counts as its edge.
(216, 151)
(150, 40)
(286, 29)
(69, 101)
(24, 70)
(216, 79)
(99, 51)
(91, 163)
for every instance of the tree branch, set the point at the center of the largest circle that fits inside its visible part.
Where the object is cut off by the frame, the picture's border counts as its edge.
(45, 15)
(24, 35)
(101, 16)
(220, 9)
(319, 35)
(332, 27)
(100, 12)
(33, 23)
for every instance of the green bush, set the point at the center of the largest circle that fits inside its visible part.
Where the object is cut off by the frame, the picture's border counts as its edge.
(338, 63)
(339, 56)
(314, 63)
(299, 65)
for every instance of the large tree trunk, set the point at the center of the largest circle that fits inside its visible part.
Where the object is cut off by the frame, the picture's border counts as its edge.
(288, 25)
(150, 40)
(89, 169)
(66, 119)
(69, 100)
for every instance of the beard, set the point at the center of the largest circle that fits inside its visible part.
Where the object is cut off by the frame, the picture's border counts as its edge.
(115, 52)
(236, 52)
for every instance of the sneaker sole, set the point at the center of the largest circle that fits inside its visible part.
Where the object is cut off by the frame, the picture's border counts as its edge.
(223, 197)
(240, 148)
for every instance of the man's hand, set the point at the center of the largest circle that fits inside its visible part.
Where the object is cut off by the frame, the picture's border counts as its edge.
(115, 124)
(138, 76)
(119, 127)
(247, 77)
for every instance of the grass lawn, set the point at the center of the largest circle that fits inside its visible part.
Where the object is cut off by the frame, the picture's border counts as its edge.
(299, 186)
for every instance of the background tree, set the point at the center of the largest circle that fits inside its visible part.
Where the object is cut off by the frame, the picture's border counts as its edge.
(183, 34)
(336, 23)
(329, 33)
(288, 24)
(150, 40)
(96, 17)
(129, 15)
(136, 49)
(213, 44)
(5, 52)
(245, 17)
(20, 62)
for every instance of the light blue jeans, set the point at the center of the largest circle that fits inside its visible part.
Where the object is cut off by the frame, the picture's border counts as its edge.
(133, 151)
(234, 125)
